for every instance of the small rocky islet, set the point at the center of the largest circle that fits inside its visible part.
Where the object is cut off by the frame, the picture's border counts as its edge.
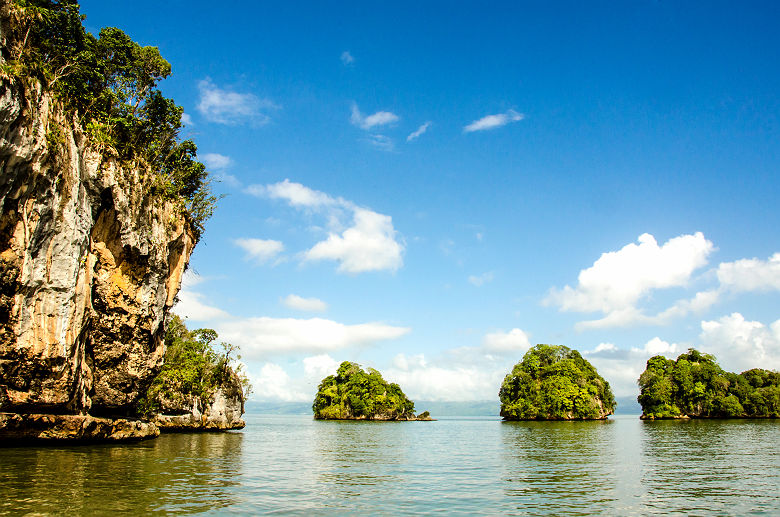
(357, 394)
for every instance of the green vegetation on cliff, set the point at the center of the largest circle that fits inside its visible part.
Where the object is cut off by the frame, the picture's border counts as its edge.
(555, 383)
(109, 84)
(357, 394)
(194, 367)
(695, 386)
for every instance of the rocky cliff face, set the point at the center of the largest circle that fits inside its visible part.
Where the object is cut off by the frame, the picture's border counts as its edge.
(221, 410)
(90, 263)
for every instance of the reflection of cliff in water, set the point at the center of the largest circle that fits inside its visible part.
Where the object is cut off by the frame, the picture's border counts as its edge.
(559, 465)
(718, 455)
(178, 472)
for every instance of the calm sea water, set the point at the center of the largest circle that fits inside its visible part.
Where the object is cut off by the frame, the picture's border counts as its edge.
(294, 465)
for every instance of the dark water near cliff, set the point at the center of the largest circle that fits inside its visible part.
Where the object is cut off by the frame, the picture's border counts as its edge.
(291, 464)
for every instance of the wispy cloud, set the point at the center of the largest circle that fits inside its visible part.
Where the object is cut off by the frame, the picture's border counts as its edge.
(346, 58)
(493, 121)
(228, 107)
(300, 303)
(186, 119)
(215, 161)
(480, 280)
(385, 143)
(418, 132)
(380, 118)
(260, 250)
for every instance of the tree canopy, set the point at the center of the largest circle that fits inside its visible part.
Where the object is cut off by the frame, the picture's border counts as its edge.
(354, 393)
(695, 385)
(554, 382)
(110, 84)
(195, 365)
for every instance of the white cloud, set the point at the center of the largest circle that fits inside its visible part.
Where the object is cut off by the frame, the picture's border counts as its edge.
(381, 142)
(320, 366)
(622, 367)
(346, 58)
(264, 336)
(418, 132)
(618, 280)
(186, 119)
(274, 383)
(515, 341)
(299, 303)
(480, 280)
(421, 380)
(228, 107)
(215, 161)
(191, 306)
(369, 245)
(260, 250)
(380, 118)
(740, 345)
(493, 121)
(296, 195)
(751, 274)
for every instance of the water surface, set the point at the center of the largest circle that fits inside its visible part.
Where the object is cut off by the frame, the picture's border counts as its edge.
(283, 464)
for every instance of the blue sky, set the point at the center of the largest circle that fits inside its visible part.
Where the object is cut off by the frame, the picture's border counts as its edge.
(431, 188)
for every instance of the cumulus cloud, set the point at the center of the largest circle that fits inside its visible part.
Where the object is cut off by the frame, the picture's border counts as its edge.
(228, 107)
(739, 344)
(274, 384)
(493, 121)
(380, 118)
(320, 366)
(346, 58)
(369, 242)
(751, 274)
(215, 161)
(622, 367)
(186, 119)
(618, 280)
(445, 382)
(480, 280)
(368, 245)
(418, 132)
(260, 250)
(515, 341)
(299, 303)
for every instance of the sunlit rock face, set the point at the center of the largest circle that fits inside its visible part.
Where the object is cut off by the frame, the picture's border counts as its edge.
(220, 410)
(90, 263)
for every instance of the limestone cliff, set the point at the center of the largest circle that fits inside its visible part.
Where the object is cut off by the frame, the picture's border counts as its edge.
(90, 263)
(219, 410)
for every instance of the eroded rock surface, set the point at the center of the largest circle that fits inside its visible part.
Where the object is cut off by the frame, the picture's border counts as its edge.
(220, 411)
(90, 263)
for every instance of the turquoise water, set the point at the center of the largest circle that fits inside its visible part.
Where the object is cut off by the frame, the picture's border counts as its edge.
(294, 465)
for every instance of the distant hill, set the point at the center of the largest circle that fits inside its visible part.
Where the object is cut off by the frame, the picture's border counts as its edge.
(626, 406)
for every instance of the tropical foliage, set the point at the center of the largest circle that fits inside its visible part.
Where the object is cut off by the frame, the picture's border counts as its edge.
(554, 382)
(195, 365)
(695, 386)
(109, 84)
(356, 393)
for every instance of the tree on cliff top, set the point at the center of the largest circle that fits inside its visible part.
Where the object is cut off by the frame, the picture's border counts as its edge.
(555, 383)
(356, 393)
(110, 84)
(695, 385)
